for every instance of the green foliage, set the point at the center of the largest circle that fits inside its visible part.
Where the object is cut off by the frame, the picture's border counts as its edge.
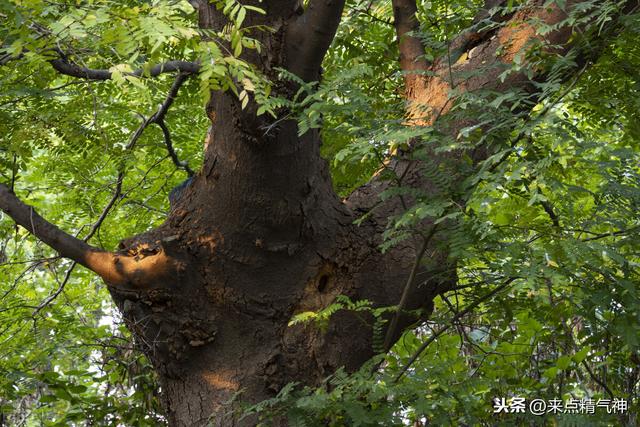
(62, 142)
(554, 209)
(320, 319)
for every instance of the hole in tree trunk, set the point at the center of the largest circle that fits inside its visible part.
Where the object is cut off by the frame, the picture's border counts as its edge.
(323, 282)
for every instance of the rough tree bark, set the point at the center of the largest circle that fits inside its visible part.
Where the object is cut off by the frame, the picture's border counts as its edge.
(260, 235)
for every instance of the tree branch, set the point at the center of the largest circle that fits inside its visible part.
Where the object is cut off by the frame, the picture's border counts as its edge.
(115, 269)
(172, 152)
(431, 99)
(158, 118)
(446, 327)
(373, 17)
(120, 271)
(171, 96)
(65, 244)
(92, 232)
(412, 57)
(598, 381)
(611, 234)
(309, 37)
(64, 66)
(58, 291)
(392, 331)
(4, 59)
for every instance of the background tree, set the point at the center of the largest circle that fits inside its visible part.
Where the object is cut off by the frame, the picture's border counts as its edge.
(503, 187)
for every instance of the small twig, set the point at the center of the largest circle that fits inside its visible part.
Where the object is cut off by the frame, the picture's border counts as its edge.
(446, 327)
(373, 17)
(14, 171)
(146, 206)
(611, 234)
(158, 119)
(474, 284)
(6, 58)
(546, 206)
(171, 96)
(598, 380)
(58, 291)
(172, 152)
(107, 208)
(532, 119)
(26, 271)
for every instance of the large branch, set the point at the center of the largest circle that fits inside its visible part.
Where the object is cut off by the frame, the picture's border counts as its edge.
(118, 270)
(309, 37)
(476, 58)
(64, 66)
(65, 244)
(412, 60)
(486, 55)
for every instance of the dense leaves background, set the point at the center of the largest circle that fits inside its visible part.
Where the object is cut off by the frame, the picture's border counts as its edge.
(551, 219)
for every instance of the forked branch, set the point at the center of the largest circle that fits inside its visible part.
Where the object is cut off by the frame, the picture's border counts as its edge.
(158, 118)
(486, 56)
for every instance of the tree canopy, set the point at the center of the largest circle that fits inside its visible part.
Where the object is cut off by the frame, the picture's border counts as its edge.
(102, 114)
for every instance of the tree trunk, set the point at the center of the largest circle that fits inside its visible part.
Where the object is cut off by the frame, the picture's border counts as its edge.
(259, 235)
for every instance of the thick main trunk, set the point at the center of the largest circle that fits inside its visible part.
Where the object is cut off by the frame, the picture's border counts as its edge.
(259, 236)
